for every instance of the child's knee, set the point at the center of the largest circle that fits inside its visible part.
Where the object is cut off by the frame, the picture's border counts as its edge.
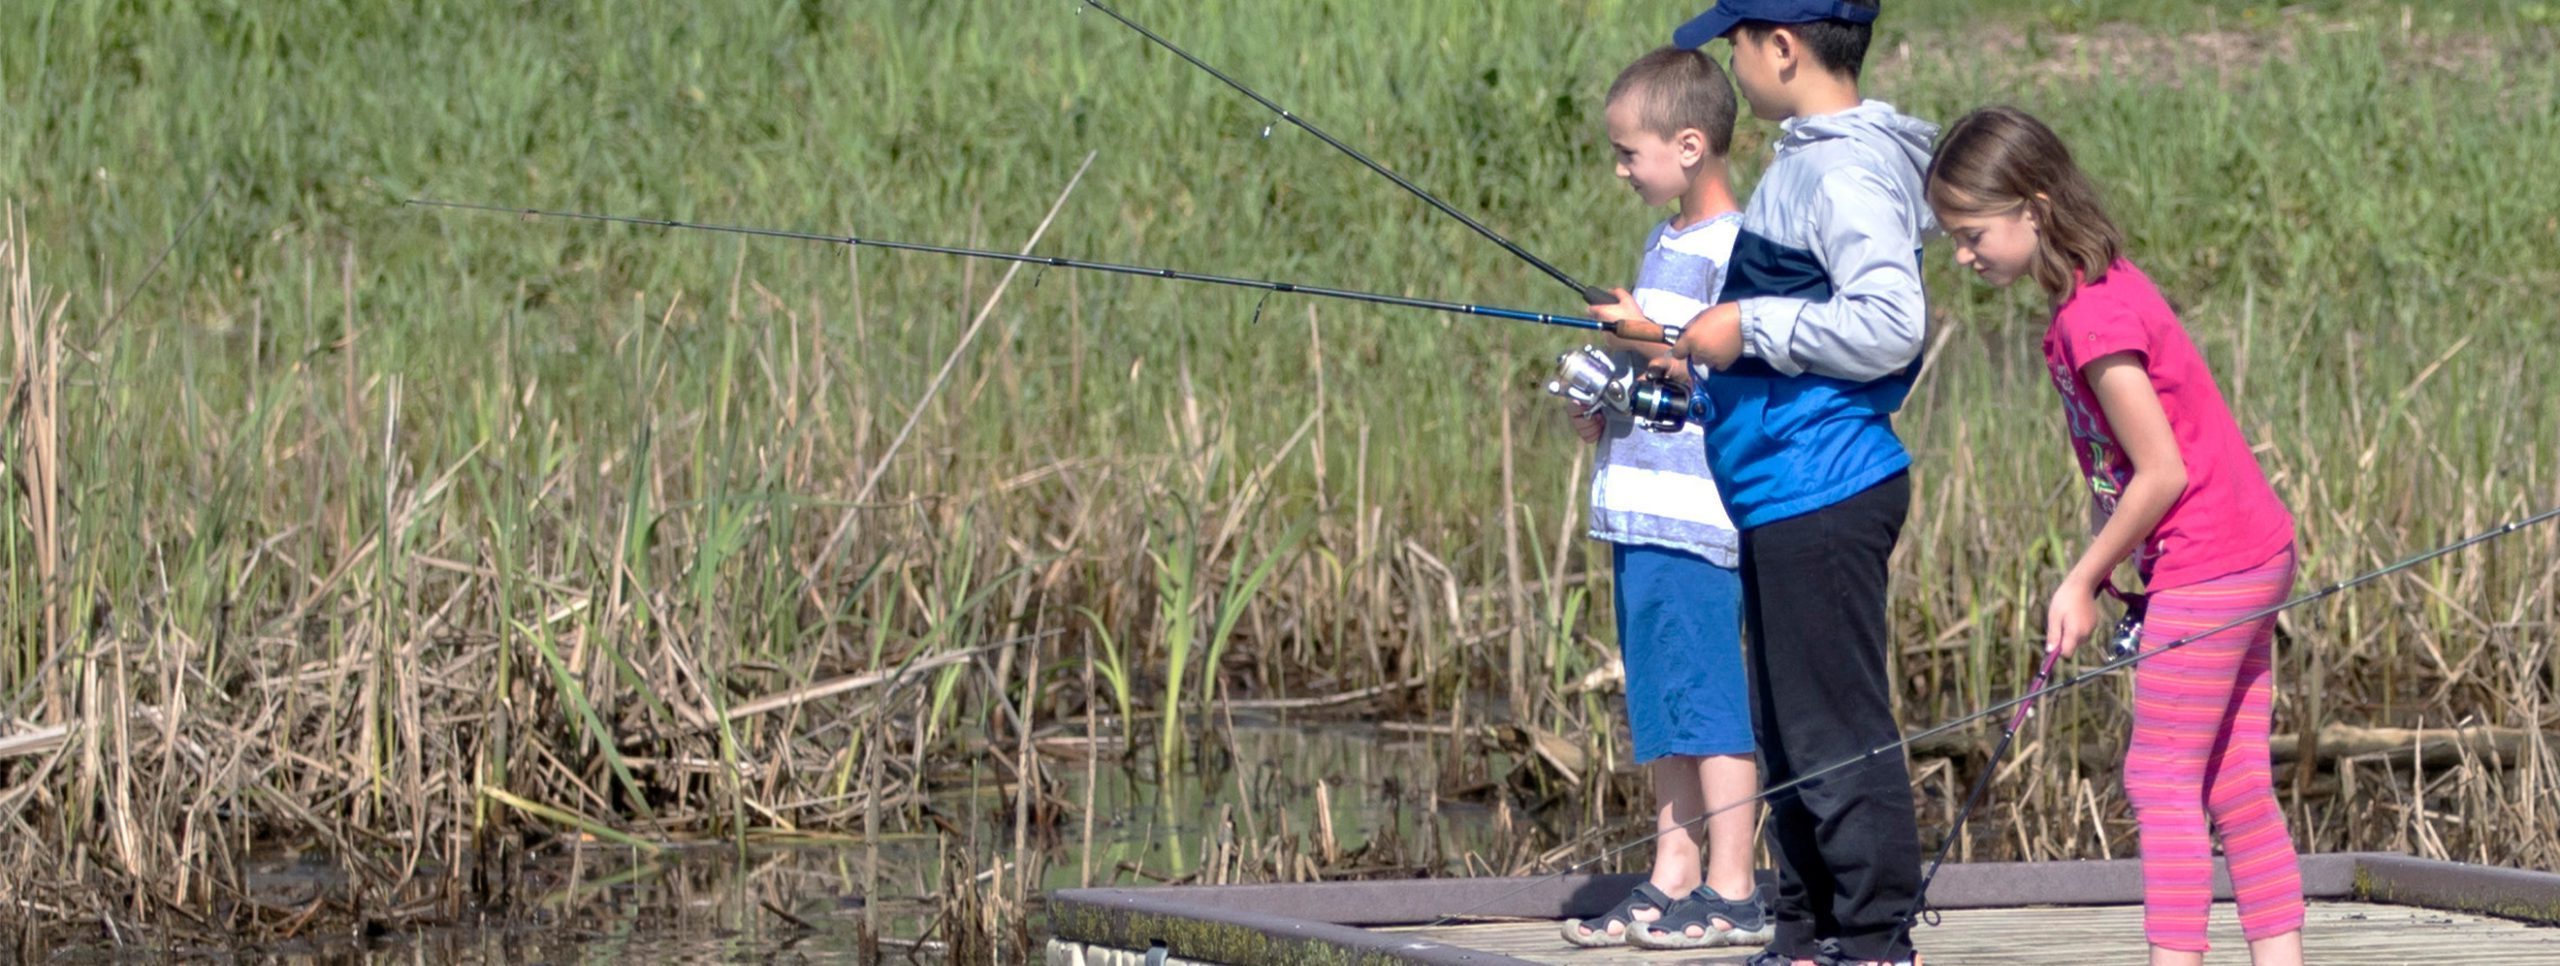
(2242, 803)
(2155, 801)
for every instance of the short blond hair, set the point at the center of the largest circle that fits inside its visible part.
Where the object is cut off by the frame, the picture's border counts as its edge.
(1681, 89)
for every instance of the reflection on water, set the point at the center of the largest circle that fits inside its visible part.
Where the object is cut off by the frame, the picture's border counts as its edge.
(1378, 785)
(806, 902)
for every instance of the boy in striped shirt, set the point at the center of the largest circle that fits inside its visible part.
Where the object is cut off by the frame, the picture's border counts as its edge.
(1673, 550)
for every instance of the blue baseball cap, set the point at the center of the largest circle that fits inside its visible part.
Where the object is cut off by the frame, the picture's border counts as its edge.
(1720, 19)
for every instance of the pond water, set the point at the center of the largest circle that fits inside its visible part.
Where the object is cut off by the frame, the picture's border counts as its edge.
(807, 901)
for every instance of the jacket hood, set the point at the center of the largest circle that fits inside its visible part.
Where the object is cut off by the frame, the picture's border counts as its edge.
(1874, 124)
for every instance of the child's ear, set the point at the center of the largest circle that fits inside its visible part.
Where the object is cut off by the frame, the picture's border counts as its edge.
(1692, 144)
(1781, 44)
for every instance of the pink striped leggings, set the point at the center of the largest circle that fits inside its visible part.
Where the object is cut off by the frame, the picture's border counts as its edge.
(2200, 748)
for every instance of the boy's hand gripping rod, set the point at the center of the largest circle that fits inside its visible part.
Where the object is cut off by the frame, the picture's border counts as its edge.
(2020, 701)
(1052, 261)
(1590, 295)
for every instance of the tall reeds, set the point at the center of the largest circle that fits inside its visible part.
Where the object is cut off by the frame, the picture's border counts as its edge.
(441, 548)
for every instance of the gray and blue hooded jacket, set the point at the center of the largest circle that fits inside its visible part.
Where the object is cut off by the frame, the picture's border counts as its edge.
(1827, 271)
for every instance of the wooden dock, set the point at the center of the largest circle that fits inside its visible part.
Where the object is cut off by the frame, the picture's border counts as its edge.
(2366, 908)
(2346, 933)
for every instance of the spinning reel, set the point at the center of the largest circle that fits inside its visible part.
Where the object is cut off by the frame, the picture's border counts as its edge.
(2126, 641)
(1597, 380)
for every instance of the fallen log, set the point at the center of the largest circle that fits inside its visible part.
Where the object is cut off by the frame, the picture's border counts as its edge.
(44, 739)
(2433, 747)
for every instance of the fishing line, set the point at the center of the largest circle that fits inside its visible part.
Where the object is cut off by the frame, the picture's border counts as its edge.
(1052, 261)
(130, 292)
(2018, 701)
(1257, 310)
(1590, 295)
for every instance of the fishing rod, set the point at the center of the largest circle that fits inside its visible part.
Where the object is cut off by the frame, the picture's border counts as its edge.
(1051, 261)
(1590, 295)
(2126, 641)
(1990, 768)
(2022, 699)
(1589, 377)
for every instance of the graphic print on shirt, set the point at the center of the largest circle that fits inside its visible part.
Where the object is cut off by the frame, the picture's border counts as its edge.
(2110, 471)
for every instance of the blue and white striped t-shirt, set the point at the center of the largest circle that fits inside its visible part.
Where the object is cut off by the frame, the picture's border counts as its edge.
(1654, 488)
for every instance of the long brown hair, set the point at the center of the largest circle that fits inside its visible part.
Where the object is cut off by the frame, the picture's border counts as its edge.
(1999, 160)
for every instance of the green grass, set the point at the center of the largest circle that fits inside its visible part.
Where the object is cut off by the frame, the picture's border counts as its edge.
(615, 452)
(951, 123)
(1929, 16)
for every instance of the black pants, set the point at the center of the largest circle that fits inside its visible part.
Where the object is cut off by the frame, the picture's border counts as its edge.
(1848, 850)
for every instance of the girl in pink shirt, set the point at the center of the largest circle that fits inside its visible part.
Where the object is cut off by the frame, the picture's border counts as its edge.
(2179, 492)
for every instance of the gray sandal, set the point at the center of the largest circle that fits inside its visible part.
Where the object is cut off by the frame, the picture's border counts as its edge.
(1748, 919)
(1594, 932)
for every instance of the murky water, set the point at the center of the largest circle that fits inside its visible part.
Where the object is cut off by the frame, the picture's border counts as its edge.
(804, 902)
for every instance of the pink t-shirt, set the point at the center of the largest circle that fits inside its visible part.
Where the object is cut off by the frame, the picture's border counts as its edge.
(2229, 519)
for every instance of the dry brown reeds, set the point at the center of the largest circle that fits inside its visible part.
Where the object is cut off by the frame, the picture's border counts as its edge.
(538, 549)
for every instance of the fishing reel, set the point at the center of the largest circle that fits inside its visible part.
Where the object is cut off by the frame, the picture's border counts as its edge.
(2127, 639)
(1597, 380)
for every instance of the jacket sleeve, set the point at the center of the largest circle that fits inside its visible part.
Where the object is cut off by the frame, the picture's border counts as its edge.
(1873, 324)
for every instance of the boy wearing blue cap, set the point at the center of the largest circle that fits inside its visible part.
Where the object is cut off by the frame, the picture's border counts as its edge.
(1816, 342)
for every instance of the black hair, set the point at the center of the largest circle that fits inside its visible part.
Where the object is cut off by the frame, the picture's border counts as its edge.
(1838, 44)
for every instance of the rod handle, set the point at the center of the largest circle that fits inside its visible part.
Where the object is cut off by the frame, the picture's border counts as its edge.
(1670, 333)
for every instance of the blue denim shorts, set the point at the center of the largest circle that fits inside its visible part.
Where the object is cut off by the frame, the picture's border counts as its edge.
(1680, 633)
